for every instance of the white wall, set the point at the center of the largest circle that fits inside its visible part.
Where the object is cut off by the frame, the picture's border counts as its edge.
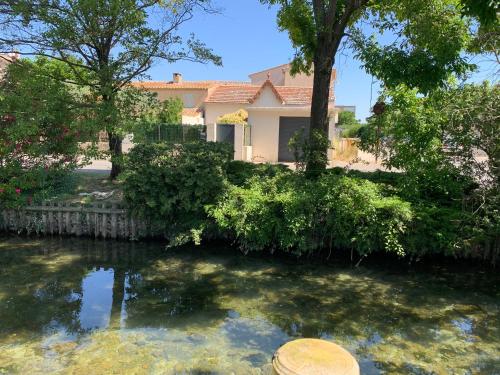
(275, 75)
(190, 120)
(195, 96)
(215, 110)
(265, 135)
(238, 142)
(267, 98)
(265, 123)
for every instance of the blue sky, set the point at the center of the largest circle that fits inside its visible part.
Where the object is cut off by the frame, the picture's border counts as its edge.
(246, 36)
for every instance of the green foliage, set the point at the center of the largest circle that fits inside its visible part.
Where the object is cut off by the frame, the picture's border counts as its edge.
(440, 230)
(42, 122)
(430, 37)
(193, 191)
(486, 11)
(171, 111)
(107, 43)
(239, 173)
(293, 214)
(297, 18)
(346, 119)
(409, 137)
(447, 145)
(350, 126)
(310, 151)
(237, 118)
(428, 41)
(353, 131)
(171, 184)
(150, 120)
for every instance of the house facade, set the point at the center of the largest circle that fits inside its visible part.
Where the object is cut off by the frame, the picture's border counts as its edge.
(6, 59)
(278, 105)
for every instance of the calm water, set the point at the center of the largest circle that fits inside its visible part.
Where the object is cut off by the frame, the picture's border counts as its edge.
(85, 307)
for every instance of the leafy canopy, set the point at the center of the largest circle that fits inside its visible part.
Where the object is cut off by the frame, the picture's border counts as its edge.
(116, 40)
(416, 42)
(42, 123)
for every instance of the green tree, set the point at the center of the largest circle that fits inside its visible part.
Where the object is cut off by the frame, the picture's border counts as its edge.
(448, 146)
(347, 119)
(113, 41)
(43, 122)
(429, 37)
(349, 124)
(170, 111)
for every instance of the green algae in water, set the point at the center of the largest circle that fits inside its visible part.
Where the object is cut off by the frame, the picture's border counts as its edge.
(87, 307)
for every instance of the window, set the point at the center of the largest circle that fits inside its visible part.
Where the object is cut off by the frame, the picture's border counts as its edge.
(188, 100)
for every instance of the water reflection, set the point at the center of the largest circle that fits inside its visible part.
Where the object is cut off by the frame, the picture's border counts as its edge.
(77, 306)
(97, 299)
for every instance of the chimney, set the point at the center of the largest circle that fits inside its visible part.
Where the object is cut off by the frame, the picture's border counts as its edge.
(177, 78)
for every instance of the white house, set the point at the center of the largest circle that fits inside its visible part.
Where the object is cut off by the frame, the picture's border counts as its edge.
(278, 105)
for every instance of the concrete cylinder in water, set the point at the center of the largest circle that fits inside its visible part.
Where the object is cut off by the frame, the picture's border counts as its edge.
(313, 357)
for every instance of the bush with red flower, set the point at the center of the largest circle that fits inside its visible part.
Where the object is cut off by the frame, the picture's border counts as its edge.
(43, 122)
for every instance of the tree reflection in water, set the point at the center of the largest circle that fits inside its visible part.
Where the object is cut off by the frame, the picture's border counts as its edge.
(77, 305)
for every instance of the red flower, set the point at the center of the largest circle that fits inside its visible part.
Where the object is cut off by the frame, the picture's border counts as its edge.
(1, 190)
(18, 191)
(9, 118)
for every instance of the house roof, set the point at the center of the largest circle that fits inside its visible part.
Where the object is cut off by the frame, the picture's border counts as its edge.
(186, 85)
(245, 94)
(192, 112)
(233, 94)
(273, 88)
(236, 92)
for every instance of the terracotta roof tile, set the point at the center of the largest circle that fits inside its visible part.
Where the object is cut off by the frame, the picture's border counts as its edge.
(233, 94)
(248, 93)
(237, 92)
(186, 85)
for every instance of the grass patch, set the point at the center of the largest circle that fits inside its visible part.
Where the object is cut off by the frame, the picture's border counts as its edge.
(82, 182)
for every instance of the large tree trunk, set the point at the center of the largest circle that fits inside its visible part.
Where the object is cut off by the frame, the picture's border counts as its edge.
(115, 148)
(317, 157)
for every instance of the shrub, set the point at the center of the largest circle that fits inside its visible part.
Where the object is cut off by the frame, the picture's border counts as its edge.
(240, 172)
(42, 122)
(353, 131)
(439, 230)
(237, 118)
(171, 184)
(358, 216)
(294, 214)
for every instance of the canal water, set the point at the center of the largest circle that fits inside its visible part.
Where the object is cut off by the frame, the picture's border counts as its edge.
(88, 307)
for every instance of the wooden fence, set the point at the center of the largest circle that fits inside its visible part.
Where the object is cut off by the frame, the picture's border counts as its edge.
(345, 149)
(99, 220)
